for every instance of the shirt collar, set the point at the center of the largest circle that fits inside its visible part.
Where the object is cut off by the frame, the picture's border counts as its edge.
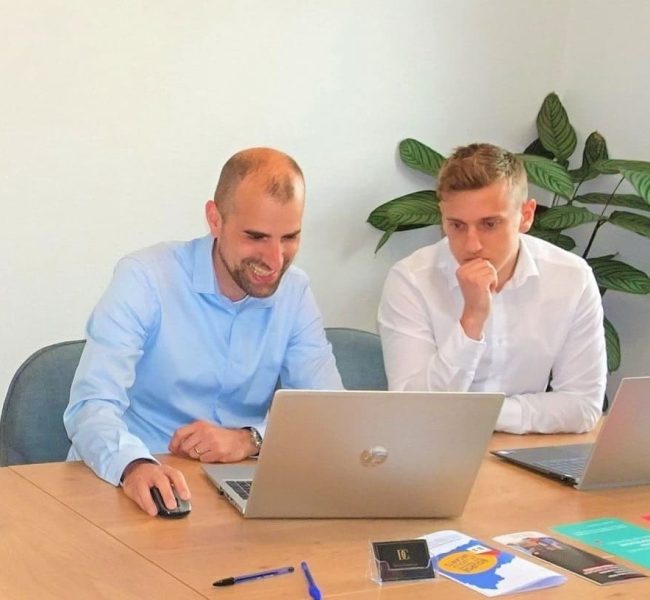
(526, 266)
(449, 265)
(204, 280)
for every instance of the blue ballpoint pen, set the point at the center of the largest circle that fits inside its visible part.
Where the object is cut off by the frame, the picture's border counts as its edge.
(314, 592)
(252, 576)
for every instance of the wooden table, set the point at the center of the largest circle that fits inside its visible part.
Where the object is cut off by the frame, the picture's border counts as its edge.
(214, 541)
(49, 551)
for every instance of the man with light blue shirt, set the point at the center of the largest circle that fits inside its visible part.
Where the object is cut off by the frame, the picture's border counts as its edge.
(187, 345)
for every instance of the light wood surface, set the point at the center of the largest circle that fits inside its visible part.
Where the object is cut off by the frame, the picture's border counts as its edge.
(49, 551)
(215, 541)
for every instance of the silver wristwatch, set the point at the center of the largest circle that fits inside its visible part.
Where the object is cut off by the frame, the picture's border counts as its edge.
(256, 439)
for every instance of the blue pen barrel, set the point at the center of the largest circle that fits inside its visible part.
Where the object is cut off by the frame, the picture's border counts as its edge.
(252, 576)
(314, 592)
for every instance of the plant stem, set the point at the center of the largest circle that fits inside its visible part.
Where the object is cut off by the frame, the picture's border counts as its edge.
(575, 192)
(601, 221)
(597, 226)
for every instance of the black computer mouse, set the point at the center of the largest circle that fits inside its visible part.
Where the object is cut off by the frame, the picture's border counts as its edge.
(182, 509)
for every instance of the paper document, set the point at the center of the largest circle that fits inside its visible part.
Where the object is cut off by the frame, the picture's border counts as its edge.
(612, 535)
(585, 564)
(487, 570)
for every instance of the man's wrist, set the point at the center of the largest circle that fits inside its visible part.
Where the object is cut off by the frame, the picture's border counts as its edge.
(132, 465)
(255, 440)
(473, 326)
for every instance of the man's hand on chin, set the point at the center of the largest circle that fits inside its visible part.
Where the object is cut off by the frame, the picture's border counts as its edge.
(211, 443)
(477, 279)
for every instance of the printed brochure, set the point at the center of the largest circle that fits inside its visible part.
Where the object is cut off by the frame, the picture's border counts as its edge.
(582, 563)
(612, 535)
(487, 570)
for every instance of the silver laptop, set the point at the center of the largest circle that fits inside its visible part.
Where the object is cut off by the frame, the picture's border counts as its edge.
(620, 456)
(363, 454)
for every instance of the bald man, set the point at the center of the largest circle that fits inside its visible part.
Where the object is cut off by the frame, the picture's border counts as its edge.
(189, 342)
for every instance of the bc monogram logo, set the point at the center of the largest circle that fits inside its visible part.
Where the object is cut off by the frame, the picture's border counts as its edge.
(403, 554)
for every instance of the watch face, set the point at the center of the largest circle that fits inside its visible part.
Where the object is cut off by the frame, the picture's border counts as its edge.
(256, 438)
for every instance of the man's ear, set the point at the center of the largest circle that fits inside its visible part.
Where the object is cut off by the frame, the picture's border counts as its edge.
(527, 215)
(214, 218)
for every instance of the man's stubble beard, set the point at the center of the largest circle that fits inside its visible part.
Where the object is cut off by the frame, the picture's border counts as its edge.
(238, 275)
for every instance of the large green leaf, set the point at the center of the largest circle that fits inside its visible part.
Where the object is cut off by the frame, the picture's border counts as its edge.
(554, 237)
(595, 150)
(632, 222)
(420, 157)
(619, 276)
(640, 179)
(548, 175)
(412, 211)
(384, 238)
(555, 132)
(536, 148)
(601, 259)
(625, 200)
(565, 217)
(613, 345)
(613, 166)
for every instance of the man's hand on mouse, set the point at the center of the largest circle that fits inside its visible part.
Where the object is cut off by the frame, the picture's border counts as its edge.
(141, 475)
(478, 280)
(210, 443)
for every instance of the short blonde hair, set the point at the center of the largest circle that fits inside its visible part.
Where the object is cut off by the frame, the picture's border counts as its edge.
(478, 165)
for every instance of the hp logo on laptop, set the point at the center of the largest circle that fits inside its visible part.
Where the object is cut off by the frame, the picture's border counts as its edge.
(374, 456)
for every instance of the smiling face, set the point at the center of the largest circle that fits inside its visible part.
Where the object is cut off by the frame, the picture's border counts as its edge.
(485, 223)
(257, 237)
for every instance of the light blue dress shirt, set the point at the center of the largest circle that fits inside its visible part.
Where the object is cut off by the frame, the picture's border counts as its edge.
(165, 348)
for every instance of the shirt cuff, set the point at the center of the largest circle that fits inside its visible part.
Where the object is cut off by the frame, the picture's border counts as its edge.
(510, 418)
(462, 351)
(120, 462)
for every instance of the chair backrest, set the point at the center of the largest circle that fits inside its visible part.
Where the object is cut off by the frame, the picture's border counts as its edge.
(358, 357)
(31, 425)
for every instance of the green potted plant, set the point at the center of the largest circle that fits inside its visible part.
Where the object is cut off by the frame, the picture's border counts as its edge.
(546, 161)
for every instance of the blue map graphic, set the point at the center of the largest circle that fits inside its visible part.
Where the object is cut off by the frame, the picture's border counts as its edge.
(489, 579)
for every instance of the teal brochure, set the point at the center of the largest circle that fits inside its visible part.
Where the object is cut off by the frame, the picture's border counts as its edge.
(612, 535)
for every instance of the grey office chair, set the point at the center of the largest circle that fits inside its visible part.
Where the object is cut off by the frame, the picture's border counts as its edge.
(31, 425)
(358, 357)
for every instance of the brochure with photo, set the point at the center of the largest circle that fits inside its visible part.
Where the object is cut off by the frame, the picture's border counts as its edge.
(487, 570)
(582, 563)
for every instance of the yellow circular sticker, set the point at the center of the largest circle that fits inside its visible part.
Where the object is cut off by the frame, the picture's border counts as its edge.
(466, 563)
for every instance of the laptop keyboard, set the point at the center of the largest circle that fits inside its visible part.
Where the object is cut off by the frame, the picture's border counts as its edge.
(241, 487)
(573, 466)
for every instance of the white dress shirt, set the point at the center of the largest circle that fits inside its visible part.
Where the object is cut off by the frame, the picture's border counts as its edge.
(547, 319)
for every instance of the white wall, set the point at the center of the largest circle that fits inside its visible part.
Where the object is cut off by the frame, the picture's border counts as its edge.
(115, 118)
(608, 90)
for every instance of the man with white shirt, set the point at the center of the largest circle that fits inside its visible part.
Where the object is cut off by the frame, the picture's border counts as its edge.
(489, 308)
